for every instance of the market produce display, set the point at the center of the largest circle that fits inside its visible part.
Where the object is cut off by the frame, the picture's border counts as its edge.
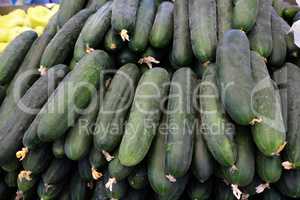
(152, 99)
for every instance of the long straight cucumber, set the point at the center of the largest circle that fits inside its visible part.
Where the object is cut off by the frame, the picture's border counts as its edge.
(224, 16)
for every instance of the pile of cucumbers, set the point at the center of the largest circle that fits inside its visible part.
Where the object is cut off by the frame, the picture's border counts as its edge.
(153, 99)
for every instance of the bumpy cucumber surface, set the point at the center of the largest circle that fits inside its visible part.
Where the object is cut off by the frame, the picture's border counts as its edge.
(203, 27)
(289, 183)
(224, 16)
(138, 134)
(268, 168)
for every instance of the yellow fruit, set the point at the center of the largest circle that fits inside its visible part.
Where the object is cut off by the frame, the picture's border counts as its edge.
(39, 16)
(55, 8)
(3, 45)
(39, 30)
(18, 12)
(14, 32)
(9, 21)
(4, 35)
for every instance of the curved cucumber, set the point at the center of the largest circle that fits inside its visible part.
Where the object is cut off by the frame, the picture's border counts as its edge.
(289, 183)
(221, 141)
(138, 178)
(58, 148)
(198, 190)
(57, 171)
(138, 135)
(203, 27)
(268, 168)
(162, 28)
(224, 16)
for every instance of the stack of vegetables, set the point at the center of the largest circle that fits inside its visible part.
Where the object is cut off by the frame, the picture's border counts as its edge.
(153, 99)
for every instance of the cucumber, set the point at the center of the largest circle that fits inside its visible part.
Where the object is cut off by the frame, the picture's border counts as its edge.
(93, 31)
(252, 188)
(97, 159)
(63, 42)
(272, 194)
(136, 194)
(25, 182)
(11, 179)
(202, 162)
(118, 171)
(78, 188)
(57, 171)
(288, 184)
(88, 71)
(112, 42)
(31, 139)
(79, 137)
(203, 28)
(100, 191)
(10, 166)
(5, 191)
(84, 169)
(152, 57)
(58, 148)
(138, 135)
(177, 192)
(14, 54)
(245, 165)
(68, 8)
(197, 190)
(162, 29)
(124, 13)
(223, 192)
(234, 75)
(224, 16)
(279, 51)
(126, 56)
(269, 135)
(261, 35)
(119, 190)
(138, 178)
(37, 160)
(220, 142)
(114, 109)
(95, 4)
(16, 124)
(143, 25)
(268, 168)
(182, 54)
(48, 192)
(182, 113)
(245, 14)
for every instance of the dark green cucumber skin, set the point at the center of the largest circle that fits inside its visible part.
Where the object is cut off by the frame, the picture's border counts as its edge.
(119, 190)
(96, 158)
(180, 140)
(48, 192)
(138, 178)
(38, 160)
(95, 4)
(2, 93)
(14, 54)
(250, 189)
(261, 35)
(143, 25)
(223, 192)
(58, 148)
(100, 191)
(234, 75)
(124, 13)
(88, 71)
(79, 138)
(202, 162)
(245, 14)
(224, 16)
(112, 41)
(268, 168)
(11, 179)
(162, 29)
(78, 187)
(203, 28)
(137, 133)
(126, 56)
(84, 169)
(64, 41)
(279, 51)
(177, 191)
(24, 185)
(288, 184)
(68, 8)
(182, 54)
(12, 132)
(270, 134)
(93, 31)
(272, 194)
(137, 194)
(114, 109)
(220, 143)
(57, 171)
(117, 170)
(5, 191)
(197, 190)
(245, 164)
(12, 165)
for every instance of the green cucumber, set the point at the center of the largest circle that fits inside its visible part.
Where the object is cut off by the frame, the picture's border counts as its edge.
(114, 109)
(136, 194)
(182, 114)
(272, 194)
(79, 138)
(245, 14)
(100, 191)
(14, 54)
(58, 148)
(203, 28)
(224, 16)
(245, 165)
(95, 4)
(119, 189)
(177, 191)
(57, 171)
(26, 183)
(269, 135)
(48, 192)
(289, 183)
(12, 165)
(11, 179)
(63, 42)
(143, 25)
(223, 191)
(162, 29)
(68, 8)
(78, 188)
(279, 51)
(268, 168)
(251, 189)
(118, 171)
(197, 190)
(16, 124)
(138, 135)
(89, 71)
(126, 56)
(112, 42)
(97, 159)
(84, 169)
(138, 178)
(234, 75)
(5, 191)
(220, 142)
(261, 35)
(124, 13)
(182, 54)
